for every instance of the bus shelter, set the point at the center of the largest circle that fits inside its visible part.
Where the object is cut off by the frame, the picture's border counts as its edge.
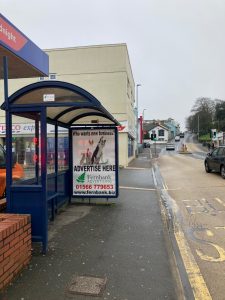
(60, 117)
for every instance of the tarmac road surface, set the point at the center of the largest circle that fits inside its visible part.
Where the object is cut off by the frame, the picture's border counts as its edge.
(197, 202)
(125, 243)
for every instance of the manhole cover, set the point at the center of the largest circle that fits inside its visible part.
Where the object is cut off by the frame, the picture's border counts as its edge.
(87, 285)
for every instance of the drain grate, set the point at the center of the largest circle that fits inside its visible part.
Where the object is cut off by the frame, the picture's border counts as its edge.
(87, 285)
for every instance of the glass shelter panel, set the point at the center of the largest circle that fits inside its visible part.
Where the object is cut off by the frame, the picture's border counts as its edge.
(25, 148)
(50, 148)
(63, 148)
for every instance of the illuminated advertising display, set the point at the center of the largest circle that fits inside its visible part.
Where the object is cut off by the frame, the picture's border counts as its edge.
(95, 167)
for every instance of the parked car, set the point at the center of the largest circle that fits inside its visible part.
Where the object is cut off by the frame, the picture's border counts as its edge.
(181, 135)
(177, 138)
(147, 145)
(215, 161)
(170, 146)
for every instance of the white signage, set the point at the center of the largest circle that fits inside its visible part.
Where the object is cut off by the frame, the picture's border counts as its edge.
(18, 128)
(28, 128)
(94, 163)
(48, 97)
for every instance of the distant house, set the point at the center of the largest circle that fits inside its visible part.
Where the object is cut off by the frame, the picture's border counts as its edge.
(173, 126)
(161, 132)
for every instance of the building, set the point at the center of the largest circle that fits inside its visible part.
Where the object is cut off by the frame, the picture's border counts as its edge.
(173, 126)
(159, 132)
(105, 72)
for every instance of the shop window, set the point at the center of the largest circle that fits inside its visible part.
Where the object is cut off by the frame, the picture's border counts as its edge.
(25, 148)
(130, 147)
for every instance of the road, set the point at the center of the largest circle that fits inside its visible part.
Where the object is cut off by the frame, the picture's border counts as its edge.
(196, 200)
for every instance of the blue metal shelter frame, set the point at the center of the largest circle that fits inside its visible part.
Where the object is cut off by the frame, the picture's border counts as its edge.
(45, 193)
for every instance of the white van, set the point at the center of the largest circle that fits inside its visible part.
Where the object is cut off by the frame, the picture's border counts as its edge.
(177, 138)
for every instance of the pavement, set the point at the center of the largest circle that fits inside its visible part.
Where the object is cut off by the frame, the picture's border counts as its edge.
(124, 244)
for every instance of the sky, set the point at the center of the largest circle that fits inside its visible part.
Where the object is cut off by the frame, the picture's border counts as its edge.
(176, 47)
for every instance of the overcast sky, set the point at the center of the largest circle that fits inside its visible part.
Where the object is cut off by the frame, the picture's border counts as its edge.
(176, 47)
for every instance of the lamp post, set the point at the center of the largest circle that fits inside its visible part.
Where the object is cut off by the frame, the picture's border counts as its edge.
(143, 113)
(137, 86)
(142, 131)
(137, 123)
(198, 126)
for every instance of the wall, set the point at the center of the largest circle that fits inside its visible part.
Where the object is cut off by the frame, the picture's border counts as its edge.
(123, 142)
(15, 246)
(103, 70)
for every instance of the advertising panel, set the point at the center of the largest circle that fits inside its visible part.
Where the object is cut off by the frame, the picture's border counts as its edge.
(95, 166)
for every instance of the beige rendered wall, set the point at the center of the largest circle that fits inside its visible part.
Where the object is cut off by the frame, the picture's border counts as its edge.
(104, 71)
(123, 157)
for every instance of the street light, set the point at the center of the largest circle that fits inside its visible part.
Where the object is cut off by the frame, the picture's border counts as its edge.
(142, 132)
(137, 123)
(137, 86)
(143, 114)
(198, 126)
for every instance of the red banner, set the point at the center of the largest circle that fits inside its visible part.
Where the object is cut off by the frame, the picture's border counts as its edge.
(10, 36)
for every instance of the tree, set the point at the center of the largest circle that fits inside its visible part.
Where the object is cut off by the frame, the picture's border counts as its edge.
(219, 119)
(203, 112)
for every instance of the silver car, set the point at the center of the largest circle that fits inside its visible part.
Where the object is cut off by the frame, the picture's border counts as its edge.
(170, 146)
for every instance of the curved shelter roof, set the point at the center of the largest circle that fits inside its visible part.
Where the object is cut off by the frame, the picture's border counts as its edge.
(65, 103)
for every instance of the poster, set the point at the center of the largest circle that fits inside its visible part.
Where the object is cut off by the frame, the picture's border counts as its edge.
(94, 162)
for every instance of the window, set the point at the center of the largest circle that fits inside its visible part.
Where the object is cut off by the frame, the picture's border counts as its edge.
(215, 152)
(128, 88)
(220, 151)
(161, 132)
(52, 76)
(130, 147)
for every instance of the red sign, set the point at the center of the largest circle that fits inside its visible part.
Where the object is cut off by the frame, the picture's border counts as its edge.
(120, 128)
(10, 36)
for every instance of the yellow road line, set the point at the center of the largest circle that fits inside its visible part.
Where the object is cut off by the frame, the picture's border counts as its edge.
(220, 201)
(209, 232)
(196, 279)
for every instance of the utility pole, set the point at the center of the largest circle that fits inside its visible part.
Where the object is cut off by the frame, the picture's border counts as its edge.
(137, 135)
(198, 126)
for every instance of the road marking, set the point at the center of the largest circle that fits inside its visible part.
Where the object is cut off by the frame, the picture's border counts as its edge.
(196, 279)
(220, 201)
(150, 153)
(209, 232)
(136, 188)
(219, 249)
(154, 178)
(134, 168)
(220, 227)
